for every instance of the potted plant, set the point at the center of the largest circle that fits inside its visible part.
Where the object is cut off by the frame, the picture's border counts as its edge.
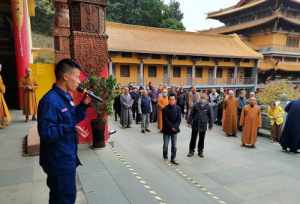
(105, 88)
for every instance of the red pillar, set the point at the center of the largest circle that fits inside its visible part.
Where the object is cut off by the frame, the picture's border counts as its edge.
(21, 28)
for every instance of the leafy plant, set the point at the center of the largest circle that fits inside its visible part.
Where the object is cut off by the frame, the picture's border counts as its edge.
(277, 90)
(105, 88)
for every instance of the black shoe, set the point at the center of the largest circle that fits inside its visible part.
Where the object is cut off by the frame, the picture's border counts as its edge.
(147, 130)
(243, 145)
(294, 151)
(200, 154)
(174, 162)
(143, 131)
(190, 154)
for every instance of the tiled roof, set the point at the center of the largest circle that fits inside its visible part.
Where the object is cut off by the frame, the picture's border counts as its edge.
(238, 7)
(251, 24)
(141, 39)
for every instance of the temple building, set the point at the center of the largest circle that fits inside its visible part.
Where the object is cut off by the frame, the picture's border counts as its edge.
(139, 55)
(271, 27)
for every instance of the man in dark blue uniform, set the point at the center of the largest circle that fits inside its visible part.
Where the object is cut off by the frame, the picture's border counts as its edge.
(57, 119)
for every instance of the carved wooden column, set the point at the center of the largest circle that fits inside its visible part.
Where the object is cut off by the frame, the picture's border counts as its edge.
(88, 44)
(61, 30)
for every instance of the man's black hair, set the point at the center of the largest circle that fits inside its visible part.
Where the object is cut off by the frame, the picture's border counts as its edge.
(64, 66)
(172, 95)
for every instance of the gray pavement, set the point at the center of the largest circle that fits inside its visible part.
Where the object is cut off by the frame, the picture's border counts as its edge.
(21, 179)
(228, 173)
(132, 171)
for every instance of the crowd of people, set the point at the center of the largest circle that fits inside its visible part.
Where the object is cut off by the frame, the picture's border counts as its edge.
(202, 109)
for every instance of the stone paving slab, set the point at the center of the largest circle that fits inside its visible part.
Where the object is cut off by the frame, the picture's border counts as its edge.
(237, 175)
(22, 180)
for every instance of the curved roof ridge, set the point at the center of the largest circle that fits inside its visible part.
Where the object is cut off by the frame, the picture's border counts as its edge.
(166, 29)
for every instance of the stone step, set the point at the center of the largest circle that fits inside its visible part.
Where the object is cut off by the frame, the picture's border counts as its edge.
(31, 142)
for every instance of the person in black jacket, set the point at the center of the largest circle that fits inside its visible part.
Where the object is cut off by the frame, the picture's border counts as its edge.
(201, 116)
(171, 123)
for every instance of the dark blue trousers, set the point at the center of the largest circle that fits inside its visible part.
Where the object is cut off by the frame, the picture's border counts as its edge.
(62, 188)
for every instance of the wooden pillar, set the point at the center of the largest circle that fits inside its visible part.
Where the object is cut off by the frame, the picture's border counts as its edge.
(215, 74)
(193, 73)
(141, 73)
(111, 72)
(169, 73)
(235, 74)
(255, 74)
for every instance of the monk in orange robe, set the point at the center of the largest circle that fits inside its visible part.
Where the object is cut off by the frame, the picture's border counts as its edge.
(5, 117)
(250, 121)
(30, 104)
(162, 102)
(229, 122)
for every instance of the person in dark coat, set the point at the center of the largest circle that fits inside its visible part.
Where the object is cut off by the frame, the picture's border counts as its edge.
(57, 119)
(201, 116)
(117, 106)
(171, 123)
(145, 109)
(290, 138)
(221, 99)
(153, 94)
(135, 96)
(181, 100)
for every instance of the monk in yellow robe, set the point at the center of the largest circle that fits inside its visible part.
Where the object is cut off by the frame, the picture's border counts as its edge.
(30, 104)
(162, 102)
(229, 122)
(5, 117)
(250, 121)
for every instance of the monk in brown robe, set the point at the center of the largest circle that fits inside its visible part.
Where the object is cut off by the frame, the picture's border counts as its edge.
(162, 102)
(5, 117)
(229, 121)
(250, 121)
(30, 105)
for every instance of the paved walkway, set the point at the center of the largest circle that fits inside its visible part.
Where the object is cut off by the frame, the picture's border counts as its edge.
(133, 171)
(21, 178)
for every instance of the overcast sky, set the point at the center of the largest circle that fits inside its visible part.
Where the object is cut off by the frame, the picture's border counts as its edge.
(195, 12)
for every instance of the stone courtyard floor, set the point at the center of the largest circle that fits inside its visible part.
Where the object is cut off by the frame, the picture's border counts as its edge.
(131, 170)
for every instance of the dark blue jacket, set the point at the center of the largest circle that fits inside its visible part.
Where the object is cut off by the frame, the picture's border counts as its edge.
(57, 117)
(171, 119)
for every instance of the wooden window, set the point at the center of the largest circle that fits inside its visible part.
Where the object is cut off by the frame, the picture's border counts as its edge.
(205, 58)
(125, 71)
(199, 72)
(176, 71)
(292, 42)
(156, 56)
(152, 71)
(230, 72)
(181, 57)
(126, 54)
(290, 59)
(219, 73)
(227, 60)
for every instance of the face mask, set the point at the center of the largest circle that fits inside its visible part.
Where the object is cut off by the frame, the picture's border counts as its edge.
(202, 100)
(165, 94)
